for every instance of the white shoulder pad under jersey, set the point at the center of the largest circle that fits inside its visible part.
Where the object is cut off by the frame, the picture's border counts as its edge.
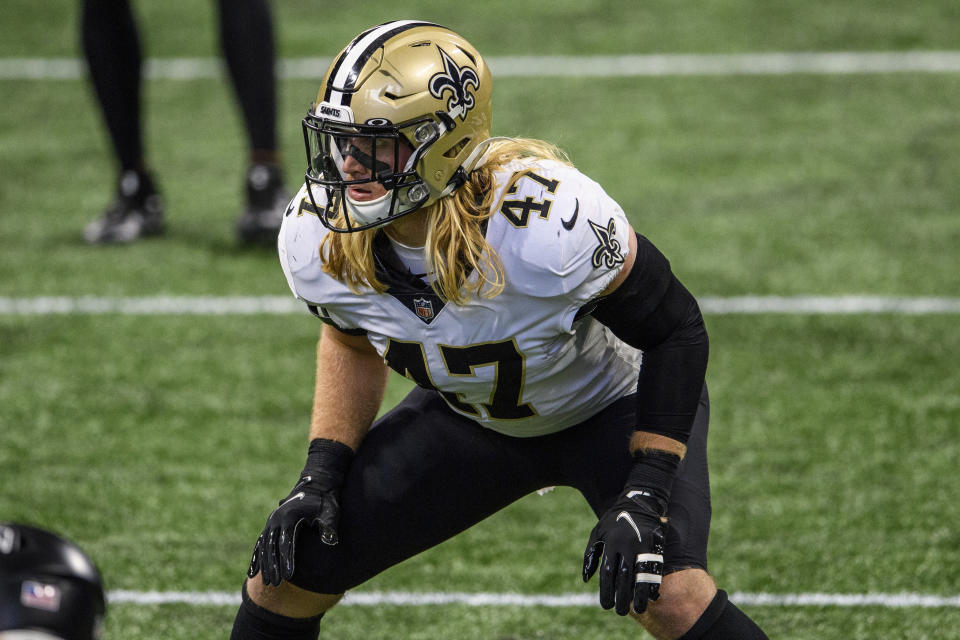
(520, 363)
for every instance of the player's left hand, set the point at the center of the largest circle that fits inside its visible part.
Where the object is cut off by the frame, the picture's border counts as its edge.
(627, 544)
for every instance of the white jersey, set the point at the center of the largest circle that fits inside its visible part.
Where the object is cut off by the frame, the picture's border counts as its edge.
(520, 363)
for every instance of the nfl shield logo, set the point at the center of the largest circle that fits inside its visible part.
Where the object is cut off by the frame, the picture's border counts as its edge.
(424, 308)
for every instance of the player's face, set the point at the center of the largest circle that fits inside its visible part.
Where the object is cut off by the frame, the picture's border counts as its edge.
(364, 155)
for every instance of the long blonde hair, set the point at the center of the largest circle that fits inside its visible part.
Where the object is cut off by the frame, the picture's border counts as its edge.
(456, 245)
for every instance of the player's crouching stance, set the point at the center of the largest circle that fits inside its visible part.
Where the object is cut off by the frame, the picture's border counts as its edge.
(513, 291)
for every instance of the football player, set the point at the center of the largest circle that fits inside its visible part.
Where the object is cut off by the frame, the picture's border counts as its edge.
(49, 589)
(550, 343)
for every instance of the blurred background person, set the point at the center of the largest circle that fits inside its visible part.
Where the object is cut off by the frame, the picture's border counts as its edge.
(111, 45)
(49, 589)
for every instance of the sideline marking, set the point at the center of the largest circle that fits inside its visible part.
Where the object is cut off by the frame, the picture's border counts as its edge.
(612, 66)
(280, 305)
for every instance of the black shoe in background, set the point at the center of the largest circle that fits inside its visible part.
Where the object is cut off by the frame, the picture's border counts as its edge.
(267, 198)
(136, 212)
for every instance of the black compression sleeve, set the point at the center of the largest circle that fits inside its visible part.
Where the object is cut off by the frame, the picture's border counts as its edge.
(651, 310)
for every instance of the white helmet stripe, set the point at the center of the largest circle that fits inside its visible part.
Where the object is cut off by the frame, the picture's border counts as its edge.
(347, 68)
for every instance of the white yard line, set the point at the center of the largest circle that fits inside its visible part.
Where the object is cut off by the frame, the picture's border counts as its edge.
(418, 599)
(771, 63)
(274, 305)
(829, 304)
(171, 305)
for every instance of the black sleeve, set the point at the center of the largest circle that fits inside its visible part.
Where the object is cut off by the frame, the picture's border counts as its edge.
(651, 310)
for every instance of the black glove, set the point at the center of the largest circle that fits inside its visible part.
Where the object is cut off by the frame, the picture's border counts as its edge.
(630, 538)
(315, 500)
(627, 542)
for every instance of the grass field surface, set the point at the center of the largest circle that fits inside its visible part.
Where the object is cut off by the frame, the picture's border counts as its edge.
(160, 442)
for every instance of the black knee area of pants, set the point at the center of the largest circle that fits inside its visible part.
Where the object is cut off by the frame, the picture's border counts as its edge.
(253, 622)
(722, 620)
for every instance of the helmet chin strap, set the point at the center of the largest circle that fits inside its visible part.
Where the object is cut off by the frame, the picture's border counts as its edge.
(369, 211)
(476, 159)
(365, 212)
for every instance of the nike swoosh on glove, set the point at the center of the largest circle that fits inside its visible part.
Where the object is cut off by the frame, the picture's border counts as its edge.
(315, 501)
(627, 545)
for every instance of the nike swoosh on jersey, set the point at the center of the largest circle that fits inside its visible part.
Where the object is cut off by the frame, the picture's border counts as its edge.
(623, 515)
(568, 224)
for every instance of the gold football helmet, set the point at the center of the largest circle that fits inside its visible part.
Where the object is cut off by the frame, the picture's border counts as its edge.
(398, 124)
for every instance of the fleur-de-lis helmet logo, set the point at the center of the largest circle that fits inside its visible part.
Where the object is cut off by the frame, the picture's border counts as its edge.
(458, 81)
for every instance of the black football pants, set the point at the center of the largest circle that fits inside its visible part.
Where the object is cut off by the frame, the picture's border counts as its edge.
(424, 474)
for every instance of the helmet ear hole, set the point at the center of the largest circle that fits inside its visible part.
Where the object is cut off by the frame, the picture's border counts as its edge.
(455, 150)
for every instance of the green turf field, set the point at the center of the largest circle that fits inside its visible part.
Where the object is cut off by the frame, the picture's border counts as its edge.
(160, 443)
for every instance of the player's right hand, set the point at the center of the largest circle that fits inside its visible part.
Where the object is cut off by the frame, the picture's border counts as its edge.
(315, 500)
